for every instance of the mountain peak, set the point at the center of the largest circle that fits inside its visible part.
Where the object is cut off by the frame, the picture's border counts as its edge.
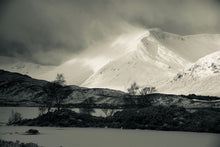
(148, 62)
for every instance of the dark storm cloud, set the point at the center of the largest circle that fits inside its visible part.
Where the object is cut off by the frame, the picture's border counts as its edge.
(49, 32)
(177, 16)
(52, 31)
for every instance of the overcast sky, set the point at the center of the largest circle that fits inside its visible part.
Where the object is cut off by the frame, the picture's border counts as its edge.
(51, 32)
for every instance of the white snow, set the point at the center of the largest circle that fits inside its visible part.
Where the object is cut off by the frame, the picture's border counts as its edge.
(96, 137)
(148, 63)
(202, 77)
(149, 57)
(28, 68)
(155, 56)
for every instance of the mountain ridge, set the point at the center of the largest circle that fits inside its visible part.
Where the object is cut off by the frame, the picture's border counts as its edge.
(21, 90)
(150, 58)
(152, 51)
(202, 77)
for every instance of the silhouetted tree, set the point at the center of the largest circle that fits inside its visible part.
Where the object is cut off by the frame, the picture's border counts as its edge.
(56, 92)
(133, 90)
(52, 97)
(60, 79)
(147, 90)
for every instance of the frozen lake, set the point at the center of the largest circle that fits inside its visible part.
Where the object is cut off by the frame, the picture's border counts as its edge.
(94, 137)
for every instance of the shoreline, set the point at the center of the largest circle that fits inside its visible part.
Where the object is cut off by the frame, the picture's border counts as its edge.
(153, 118)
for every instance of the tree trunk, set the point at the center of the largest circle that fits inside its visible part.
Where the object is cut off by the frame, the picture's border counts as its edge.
(58, 107)
(48, 109)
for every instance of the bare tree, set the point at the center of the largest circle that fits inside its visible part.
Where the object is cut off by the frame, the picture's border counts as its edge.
(52, 97)
(60, 79)
(148, 90)
(133, 90)
(55, 92)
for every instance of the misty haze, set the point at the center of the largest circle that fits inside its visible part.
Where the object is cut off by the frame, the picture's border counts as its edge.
(113, 73)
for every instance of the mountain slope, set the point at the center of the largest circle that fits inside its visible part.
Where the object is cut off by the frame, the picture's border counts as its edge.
(145, 56)
(191, 47)
(18, 89)
(48, 72)
(15, 87)
(148, 62)
(27, 68)
(154, 57)
(21, 90)
(203, 78)
(75, 72)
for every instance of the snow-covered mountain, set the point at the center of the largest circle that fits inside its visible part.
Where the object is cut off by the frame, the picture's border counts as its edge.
(155, 57)
(21, 90)
(27, 68)
(202, 77)
(191, 47)
(148, 57)
(73, 73)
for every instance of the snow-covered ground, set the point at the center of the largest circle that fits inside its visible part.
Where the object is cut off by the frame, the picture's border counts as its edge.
(148, 62)
(202, 78)
(154, 58)
(95, 137)
(191, 47)
(32, 69)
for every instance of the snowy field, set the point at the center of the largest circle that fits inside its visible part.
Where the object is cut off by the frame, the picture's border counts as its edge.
(95, 137)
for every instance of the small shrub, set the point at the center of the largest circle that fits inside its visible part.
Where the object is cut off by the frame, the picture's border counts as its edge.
(16, 144)
(32, 132)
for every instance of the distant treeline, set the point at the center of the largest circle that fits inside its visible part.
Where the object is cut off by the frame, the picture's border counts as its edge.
(130, 101)
(171, 118)
(16, 144)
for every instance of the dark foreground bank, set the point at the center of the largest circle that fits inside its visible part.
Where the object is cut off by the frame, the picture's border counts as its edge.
(155, 117)
(16, 144)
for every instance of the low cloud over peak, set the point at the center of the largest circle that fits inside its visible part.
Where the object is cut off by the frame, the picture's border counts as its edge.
(51, 31)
